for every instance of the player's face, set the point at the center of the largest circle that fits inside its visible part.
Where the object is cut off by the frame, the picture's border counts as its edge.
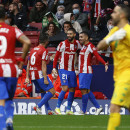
(83, 38)
(71, 35)
(116, 16)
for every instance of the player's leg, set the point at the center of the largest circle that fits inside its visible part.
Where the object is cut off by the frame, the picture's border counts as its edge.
(9, 105)
(95, 103)
(64, 82)
(84, 100)
(72, 84)
(3, 97)
(115, 118)
(49, 88)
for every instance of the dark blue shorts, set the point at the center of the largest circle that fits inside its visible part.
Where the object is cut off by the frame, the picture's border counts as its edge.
(7, 87)
(68, 78)
(39, 85)
(85, 80)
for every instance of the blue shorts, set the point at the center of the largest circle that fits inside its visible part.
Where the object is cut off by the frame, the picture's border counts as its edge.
(68, 78)
(40, 86)
(85, 80)
(7, 87)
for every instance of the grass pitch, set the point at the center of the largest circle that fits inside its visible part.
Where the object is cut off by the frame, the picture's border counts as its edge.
(66, 122)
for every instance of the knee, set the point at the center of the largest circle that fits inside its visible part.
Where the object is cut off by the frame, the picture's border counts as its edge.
(52, 91)
(2, 102)
(114, 108)
(71, 89)
(84, 91)
(65, 88)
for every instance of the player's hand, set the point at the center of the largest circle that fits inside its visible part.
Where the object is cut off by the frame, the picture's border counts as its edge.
(118, 35)
(54, 71)
(46, 81)
(106, 67)
(27, 80)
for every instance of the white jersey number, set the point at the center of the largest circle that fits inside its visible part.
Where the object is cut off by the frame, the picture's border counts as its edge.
(33, 58)
(3, 45)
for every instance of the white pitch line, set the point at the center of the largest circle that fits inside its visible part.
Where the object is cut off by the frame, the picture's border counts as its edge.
(71, 127)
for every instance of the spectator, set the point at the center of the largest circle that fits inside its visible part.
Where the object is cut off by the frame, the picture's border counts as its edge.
(37, 13)
(17, 18)
(66, 3)
(49, 17)
(70, 17)
(51, 29)
(81, 18)
(23, 89)
(60, 12)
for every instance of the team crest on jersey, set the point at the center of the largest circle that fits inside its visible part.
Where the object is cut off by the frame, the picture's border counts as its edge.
(64, 81)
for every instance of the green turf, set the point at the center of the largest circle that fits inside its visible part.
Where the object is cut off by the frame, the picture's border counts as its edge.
(56, 122)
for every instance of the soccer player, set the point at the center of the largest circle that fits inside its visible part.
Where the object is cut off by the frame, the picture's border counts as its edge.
(9, 68)
(66, 51)
(119, 39)
(85, 72)
(38, 69)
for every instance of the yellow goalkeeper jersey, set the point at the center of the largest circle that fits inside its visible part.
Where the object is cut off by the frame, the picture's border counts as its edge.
(121, 52)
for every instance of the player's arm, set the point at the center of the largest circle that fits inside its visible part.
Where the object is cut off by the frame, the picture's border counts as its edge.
(57, 55)
(44, 71)
(27, 80)
(118, 35)
(100, 59)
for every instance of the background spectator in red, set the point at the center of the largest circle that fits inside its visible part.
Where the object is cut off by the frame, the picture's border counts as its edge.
(23, 89)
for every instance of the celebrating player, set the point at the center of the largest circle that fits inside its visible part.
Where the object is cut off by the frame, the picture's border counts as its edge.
(119, 39)
(38, 69)
(9, 68)
(66, 51)
(85, 71)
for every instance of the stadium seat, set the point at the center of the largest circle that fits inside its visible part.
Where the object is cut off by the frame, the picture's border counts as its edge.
(37, 25)
(51, 49)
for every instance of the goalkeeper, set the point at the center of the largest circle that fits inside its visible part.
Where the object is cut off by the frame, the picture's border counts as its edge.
(119, 39)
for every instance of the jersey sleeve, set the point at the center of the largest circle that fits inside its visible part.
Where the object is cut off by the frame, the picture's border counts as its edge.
(61, 47)
(94, 51)
(79, 45)
(45, 56)
(18, 33)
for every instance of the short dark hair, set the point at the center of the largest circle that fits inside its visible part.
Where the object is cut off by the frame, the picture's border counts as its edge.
(69, 23)
(2, 13)
(44, 37)
(125, 9)
(72, 29)
(86, 33)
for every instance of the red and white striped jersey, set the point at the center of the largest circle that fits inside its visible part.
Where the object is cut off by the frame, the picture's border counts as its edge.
(37, 55)
(66, 51)
(8, 36)
(85, 57)
(97, 11)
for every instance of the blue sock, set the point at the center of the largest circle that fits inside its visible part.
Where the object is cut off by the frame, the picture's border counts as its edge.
(9, 109)
(84, 102)
(2, 118)
(60, 98)
(93, 99)
(45, 99)
(46, 104)
(70, 100)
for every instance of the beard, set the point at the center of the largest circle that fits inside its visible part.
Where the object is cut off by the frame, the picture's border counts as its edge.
(115, 22)
(70, 38)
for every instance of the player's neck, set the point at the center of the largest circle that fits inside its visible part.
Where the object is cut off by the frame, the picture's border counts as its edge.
(122, 23)
(43, 45)
(86, 42)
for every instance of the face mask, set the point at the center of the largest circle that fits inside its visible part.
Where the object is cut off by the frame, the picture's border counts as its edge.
(72, 21)
(76, 72)
(60, 15)
(61, 1)
(110, 27)
(75, 11)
